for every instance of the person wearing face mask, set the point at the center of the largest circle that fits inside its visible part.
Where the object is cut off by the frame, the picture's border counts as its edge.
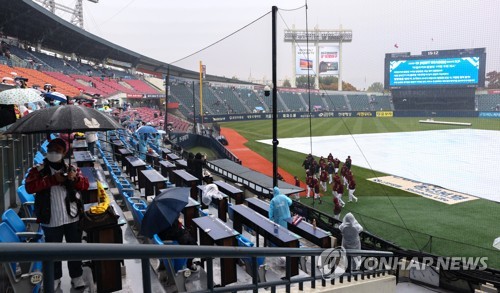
(57, 204)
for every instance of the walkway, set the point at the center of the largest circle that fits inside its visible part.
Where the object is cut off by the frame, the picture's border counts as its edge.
(250, 158)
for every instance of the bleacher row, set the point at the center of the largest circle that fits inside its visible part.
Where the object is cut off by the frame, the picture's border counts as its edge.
(71, 77)
(138, 206)
(148, 116)
(218, 101)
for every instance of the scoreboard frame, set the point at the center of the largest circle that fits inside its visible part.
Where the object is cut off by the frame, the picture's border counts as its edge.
(437, 54)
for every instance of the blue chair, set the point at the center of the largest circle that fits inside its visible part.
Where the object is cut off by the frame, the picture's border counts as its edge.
(30, 281)
(178, 263)
(176, 268)
(138, 210)
(23, 227)
(43, 147)
(27, 201)
(38, 159)
(261, 266)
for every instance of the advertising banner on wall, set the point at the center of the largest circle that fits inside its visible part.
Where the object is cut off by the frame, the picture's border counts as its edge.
(303, 60)
(329, 60)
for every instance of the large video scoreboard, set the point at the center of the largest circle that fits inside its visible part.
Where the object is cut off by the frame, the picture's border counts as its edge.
(436, 69)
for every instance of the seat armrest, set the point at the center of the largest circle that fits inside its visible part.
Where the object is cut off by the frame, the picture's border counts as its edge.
(25, 236)
(29, 220)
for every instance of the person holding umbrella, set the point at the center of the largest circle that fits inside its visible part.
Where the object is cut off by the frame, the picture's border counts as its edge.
(57, 204)
(177, 232)
(162, 217)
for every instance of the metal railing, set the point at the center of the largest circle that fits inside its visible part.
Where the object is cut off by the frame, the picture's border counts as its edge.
(16, 157)
(48, 253)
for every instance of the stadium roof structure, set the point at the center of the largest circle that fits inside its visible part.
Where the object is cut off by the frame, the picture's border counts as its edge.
(30, 22)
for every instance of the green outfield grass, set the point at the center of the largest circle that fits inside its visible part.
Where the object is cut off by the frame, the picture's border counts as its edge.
(406, 219)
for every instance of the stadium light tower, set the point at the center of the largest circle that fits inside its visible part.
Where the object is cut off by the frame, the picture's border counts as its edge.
(76, 13)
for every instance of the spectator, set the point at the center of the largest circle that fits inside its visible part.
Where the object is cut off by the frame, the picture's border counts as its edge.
(177, 232)
(279, 208)
(57, 204)
(350, 229)
(198, 163)
(91, 138)
(190, 160)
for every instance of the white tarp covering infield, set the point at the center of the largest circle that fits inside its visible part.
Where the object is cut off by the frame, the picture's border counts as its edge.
(463, 160)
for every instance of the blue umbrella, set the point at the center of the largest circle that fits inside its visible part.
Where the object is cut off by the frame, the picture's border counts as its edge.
(146, 129)
(56, 96)
(164, 210)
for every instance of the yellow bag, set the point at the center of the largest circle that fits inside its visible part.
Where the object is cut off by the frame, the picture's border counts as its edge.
(103, 200)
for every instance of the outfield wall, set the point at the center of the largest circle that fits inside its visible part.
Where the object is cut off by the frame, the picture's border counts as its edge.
(292, 115)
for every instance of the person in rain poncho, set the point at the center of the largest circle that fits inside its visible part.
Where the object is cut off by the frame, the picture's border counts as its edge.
(279, 209)
(143, 146)
(350, 229)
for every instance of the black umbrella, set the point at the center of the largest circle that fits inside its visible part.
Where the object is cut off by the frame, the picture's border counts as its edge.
(65, 119)
(164, 210)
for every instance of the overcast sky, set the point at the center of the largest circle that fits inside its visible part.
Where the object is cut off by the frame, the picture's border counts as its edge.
(170, 30)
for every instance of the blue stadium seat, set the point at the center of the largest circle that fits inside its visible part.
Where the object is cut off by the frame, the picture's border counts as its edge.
(27, 201)
(178, 263)
(261, 266)
(25, 228)
(19, 280)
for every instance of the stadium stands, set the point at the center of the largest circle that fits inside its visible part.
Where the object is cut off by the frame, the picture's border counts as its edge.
(381, 103)
(316, 100)
(488, 102)
(184, 97)
(212, 103)
(228, 96)
(335, 102)
(39, 78)
(293, 101)
(268, 101)
(359, 102)
(148, 116)
(140, 86)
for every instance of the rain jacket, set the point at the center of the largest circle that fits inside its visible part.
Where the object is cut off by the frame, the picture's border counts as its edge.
(350, 229)
(279, 209)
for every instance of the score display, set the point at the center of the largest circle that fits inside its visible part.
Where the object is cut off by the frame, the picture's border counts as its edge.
(435, 70)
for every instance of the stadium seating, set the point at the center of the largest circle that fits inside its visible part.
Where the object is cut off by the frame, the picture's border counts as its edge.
(27, 201)
(39, 78)
(488, 102)
(184, 96)
(268, 101)
(25, 228)
(19, 280)
(381, 103)
(251, 100)
(141, 86)
(359, 102)
(213, 104)
(335, 102)
(293, 101)
(229, 97)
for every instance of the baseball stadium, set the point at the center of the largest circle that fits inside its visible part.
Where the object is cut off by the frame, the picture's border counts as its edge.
(336, 158)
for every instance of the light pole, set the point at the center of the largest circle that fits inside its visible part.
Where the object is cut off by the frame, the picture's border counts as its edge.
(194, 112)
(167, 87)
(274, 98)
